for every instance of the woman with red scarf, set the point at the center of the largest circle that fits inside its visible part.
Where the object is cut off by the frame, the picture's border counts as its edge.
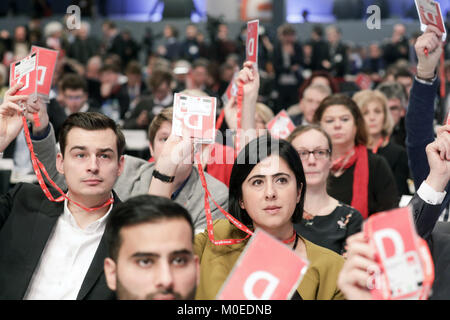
(358, 177)
(374, 108)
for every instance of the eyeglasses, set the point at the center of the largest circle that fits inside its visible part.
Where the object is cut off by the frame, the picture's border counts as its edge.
(318, 154)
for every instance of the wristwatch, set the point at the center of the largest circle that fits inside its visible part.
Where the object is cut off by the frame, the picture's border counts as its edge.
(163, 177)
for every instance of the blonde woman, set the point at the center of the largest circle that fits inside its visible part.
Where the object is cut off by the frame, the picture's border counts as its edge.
(374, 108)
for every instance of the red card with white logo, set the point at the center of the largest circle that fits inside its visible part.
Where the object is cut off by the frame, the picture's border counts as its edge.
(261, 272)
(251, 47)
(25, 72)
(195, 115)
(45, 69)
(281, 125)
(406, 266)
(430, 14)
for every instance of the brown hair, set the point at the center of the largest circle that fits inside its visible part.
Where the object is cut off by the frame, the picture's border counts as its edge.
(110, 67)
(91, 121)
(302, 129)
(165, 115)
(343, 100)
(264, 112)
(133, 67)
(73, 81)
(158, 77)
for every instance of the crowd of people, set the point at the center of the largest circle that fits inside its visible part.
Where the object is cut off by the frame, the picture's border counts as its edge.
(365, 139)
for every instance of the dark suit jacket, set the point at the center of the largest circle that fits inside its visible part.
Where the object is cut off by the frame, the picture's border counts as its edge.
(437, 236)
(27, 219)
(420, 132)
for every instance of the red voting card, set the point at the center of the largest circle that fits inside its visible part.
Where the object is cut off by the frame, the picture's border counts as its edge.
(363, 81)
(195, 115)
(281, 125)
(45, 69)
(25, 72)
(430, 14)
(251, 46)
(406, 266)
(261, 272)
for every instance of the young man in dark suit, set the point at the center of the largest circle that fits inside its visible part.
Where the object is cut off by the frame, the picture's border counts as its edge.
(55, 250)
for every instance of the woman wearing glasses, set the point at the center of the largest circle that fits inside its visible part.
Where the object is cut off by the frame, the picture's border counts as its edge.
(326, 221)
(358, 177)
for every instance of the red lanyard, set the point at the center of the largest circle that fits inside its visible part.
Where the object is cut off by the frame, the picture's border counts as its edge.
(233, 220)
(220, 119)
(379, 143)
(239, 99)
(209, 220)
(38, 167)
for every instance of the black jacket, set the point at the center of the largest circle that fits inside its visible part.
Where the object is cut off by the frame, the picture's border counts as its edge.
(437, 235)
(27, 219)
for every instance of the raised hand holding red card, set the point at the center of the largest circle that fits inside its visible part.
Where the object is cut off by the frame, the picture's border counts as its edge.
(25, 72)
(430, 14)
(407, 270)
(45, 69)
(251, 47)
(196, 116)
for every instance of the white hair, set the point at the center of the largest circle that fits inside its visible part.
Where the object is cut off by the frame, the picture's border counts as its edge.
(52, 27)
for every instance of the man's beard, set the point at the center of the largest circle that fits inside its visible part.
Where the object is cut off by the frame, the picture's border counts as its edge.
(123, 294)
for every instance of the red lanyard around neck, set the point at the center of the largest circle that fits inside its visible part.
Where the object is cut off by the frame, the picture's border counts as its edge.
(379, 144)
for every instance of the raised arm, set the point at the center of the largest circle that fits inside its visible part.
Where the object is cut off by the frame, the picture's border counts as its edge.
(426, 203)
(10, 116)
(420, 114)
(176, 151)
(249, 78)
(44, 141)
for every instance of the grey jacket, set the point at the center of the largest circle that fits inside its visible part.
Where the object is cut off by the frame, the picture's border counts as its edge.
(135, 180)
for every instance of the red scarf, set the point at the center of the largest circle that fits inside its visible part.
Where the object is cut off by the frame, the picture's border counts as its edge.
(360, 200)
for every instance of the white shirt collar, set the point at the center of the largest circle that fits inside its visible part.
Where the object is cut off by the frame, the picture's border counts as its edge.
(92, 227)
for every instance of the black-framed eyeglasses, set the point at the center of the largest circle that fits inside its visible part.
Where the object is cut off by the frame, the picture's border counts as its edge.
(318, 153)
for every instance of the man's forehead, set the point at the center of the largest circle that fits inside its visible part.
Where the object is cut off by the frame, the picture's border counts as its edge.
(105, 138)
(394, 101)
(159, 231)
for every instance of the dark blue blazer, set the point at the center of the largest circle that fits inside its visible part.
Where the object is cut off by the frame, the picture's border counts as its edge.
(420, 132)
